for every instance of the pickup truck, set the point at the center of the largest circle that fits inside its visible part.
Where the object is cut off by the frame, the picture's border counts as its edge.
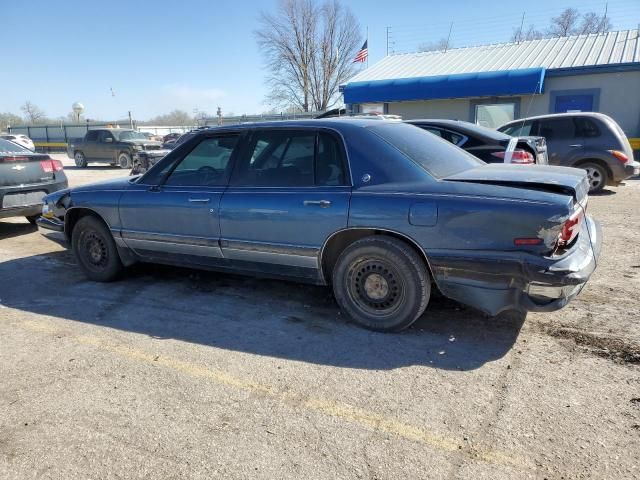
(116, 146)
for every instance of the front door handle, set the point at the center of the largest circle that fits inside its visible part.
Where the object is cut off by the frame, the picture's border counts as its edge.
(575, 145)
(199, 200)
(320, 203)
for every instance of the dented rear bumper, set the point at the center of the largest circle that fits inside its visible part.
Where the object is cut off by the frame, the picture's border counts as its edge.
(497, 281)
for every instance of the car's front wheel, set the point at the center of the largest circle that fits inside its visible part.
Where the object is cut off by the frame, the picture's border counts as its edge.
(96, 250)
(80, 159)
(381, 283)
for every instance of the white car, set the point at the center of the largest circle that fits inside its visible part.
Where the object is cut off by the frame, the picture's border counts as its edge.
(20, 140)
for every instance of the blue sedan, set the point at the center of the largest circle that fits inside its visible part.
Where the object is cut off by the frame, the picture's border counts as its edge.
(382, 211)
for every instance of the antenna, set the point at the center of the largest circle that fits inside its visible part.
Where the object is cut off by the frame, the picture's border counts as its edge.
(448, 38)
(519, 38)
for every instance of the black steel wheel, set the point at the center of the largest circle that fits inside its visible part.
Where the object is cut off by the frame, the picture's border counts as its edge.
(381, 283)
(96, 250)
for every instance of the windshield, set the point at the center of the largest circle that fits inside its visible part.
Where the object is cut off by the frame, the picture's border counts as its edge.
(130, 135)
(437, 156)
(9, 147)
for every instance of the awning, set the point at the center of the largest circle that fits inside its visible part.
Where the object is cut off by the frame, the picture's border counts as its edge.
(462, 85)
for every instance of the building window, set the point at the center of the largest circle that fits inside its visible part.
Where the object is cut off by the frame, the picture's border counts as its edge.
(372, 108)
(495, 114)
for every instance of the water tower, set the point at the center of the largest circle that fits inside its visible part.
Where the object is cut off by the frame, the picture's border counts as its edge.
(78, 108)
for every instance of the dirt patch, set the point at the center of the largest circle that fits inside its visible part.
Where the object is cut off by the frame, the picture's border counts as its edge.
(612, 348)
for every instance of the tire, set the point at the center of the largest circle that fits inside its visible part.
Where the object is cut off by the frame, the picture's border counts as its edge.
(32, 218)
(597, 176)
(95, 250)
(381, 283)
(124, 160)
(80, 159)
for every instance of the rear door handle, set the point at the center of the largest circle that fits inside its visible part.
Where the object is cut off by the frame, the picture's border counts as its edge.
(320, 203)
(199, 200)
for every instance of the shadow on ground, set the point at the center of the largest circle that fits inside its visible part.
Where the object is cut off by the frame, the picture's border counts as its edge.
(10, 229)
(263, 317)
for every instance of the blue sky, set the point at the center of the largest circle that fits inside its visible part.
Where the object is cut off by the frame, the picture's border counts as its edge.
(198, 54)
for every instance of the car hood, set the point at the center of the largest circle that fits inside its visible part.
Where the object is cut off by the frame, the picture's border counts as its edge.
(112, 184)
(142, 142)
(572, 181)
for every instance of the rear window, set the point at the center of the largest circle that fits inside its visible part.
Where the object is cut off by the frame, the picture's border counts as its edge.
(438, 157)
(10, 147)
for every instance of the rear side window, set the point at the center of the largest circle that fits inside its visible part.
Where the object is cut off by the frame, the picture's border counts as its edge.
(279, 158)
(92, 135)
(587, 127)
(438, 157)
(518, 129)
(10, 147)
(558, 128)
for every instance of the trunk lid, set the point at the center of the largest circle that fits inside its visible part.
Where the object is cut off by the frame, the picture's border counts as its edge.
(23, 169)
(561, 180)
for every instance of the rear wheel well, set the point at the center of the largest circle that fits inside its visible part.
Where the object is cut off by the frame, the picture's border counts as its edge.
(341, 240)
(597, 161)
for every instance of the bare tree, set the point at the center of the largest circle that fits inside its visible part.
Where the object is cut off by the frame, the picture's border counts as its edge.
(594, 23)
(32, 113)
(309, 51)
(175, 117)
(564, 24)
(442, 44)
(8, 119)
(524, 35)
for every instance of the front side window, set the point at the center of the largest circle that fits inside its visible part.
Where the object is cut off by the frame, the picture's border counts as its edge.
(206, 164)
(104, 135)
(278, 158)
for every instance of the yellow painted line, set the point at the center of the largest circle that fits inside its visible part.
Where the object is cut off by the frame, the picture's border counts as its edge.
(50, 144)
(635, 143)
(373, 421)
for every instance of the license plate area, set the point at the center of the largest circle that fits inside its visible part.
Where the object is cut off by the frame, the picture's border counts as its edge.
(23, 199)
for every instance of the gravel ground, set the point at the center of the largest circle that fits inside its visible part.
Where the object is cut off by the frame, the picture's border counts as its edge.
(174, 373)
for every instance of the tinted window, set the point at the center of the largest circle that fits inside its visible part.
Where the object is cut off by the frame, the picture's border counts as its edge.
(587, 127)
(518, 129)
(435, 131)
(92, 135)
(206, 164)
(104, 135)
(10, 147)
(438, 157)
(557, 128)
(329, 169)
(278, 159)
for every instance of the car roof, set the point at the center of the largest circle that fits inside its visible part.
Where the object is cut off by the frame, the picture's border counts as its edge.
(466, 128)
(334, 123)
(598, 115)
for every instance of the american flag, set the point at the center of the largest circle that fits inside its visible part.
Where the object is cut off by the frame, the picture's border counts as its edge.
(362, 55)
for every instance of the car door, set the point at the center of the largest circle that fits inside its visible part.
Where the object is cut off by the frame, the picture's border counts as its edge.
(564, 146)
(289, 192)
(105, 150)
(90, 144)
(174, 212)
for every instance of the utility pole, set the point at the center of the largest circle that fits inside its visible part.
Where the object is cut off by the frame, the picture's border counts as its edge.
(448, 38)
(519, 39)
(130, 121)
(387, 41)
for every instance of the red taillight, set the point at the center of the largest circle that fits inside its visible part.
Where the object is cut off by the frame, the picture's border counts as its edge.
(570, 228)
(521, 157)
(50, 165)
(15, 159)
(620, 156)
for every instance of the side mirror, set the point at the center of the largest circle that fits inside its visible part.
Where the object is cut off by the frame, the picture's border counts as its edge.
(108, 140)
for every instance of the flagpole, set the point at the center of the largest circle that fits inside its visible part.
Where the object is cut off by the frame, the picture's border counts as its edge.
(367, 46)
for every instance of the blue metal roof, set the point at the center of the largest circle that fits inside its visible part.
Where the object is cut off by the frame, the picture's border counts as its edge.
(478, 84)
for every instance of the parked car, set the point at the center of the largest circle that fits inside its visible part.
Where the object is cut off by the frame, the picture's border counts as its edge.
(153, 137)
(116, 146)
(20, 139)
(173, 136)
(591, 141)
(488, 145)
(25, 178)
(379, 210)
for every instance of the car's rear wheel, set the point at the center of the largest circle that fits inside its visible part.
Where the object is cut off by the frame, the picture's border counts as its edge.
(80, 159)
(32, 218)
(381, 283)
(96, 250)
(124, 160)
(597, 176)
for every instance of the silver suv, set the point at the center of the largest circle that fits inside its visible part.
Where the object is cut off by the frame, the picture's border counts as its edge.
(592, 141)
